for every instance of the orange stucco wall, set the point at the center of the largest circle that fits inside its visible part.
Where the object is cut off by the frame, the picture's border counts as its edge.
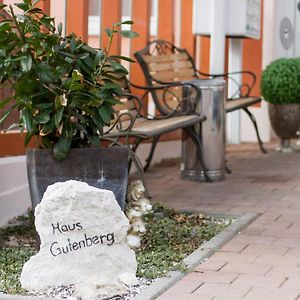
(76, 20)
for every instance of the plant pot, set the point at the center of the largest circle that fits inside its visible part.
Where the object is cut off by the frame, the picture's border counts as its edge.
(105, 168)
(285, 121)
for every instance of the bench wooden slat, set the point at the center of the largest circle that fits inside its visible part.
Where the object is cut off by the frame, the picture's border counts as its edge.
(170, 65)
(234, 104)
(175, 75)
(165, 57)
(150, 128)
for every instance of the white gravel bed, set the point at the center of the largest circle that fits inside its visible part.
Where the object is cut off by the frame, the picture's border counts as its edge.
(66, 292)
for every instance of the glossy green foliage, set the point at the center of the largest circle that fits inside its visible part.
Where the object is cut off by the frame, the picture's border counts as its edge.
(280, 83)
(63, 88)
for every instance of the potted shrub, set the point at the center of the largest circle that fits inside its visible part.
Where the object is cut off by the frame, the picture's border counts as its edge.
(280, 86)
(63, 89)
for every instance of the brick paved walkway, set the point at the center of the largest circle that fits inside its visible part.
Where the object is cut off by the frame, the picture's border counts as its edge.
(263, 261)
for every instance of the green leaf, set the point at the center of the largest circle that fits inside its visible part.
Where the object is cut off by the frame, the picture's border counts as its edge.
(80, 128)
(128, 22)
(22, 6)
(73, 44)
(129, 34)
(110, 86)
(119, 68)
(26, 63)
(45, 72)
(28, 137)
(2, 6)
(34, 10)
(82, 55)
(105, 113)
(44, 106)
(46, 142)
(42, 118)
(5, 101)
(4, 26)
(58, 117)
(59, 28)
(94, 139)
(27, 119)
(97, 121)
(108, 31)
(47, 128)
(123, 58)
(13, 126)
(62, 147)
(99, 56)
(112, 101)
(7, 113)
(34, 2)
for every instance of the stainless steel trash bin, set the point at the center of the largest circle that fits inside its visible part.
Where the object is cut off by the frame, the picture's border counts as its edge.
(212, 133)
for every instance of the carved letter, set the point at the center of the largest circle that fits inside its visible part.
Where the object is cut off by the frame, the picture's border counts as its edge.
(64, 228)
(72, 227)
(110, 238)
(88, 241)
(51, 250)
(79, 226)
(55, 228)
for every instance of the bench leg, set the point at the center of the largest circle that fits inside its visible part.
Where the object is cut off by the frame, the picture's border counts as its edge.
(133, 149)
(133, 159)
(192, 133)
(150, 156)
(139, 167)
(260, 143)
(227, 169)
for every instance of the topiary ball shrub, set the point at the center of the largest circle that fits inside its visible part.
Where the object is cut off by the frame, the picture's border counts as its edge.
(280, 82)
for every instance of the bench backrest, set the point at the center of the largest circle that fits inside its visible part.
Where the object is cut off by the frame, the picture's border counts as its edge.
(162, 62)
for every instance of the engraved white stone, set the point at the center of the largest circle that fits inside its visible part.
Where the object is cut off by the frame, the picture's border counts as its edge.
(83, 242)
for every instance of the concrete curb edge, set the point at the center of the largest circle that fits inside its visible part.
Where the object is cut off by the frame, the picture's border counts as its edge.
(194, 259)
(202, 253)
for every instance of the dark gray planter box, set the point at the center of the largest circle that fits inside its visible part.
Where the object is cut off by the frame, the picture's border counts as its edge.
(105, 168)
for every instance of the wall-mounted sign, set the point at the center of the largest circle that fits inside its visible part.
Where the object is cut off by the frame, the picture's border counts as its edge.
(242, 18)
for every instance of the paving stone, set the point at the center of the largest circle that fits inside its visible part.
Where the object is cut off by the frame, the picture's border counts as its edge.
(186, 286)
(260, 281)
(212, 277)
(227, 298)
(269, 249)
(261, 184)
(288, 271)
(182, 296)
(259, 293)
(291, 283)
(247, 268)
(288, 242)
(254, 229)
(255, 240)
(223, 290)
(278, 260)
(234, 247)
(234, 257)
(211, 265)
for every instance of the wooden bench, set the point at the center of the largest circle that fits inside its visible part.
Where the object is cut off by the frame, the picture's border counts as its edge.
(130, 126)
(164, 63)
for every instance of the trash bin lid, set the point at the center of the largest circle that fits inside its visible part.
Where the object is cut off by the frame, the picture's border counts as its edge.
(207, 83)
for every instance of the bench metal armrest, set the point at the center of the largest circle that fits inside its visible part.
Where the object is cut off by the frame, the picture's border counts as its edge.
(243, 90)
(130, 117)
(183, 105)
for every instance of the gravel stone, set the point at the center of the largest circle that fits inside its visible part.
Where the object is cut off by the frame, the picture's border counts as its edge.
(66, 292)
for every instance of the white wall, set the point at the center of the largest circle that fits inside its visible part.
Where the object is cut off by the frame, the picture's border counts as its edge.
(268, 54)
(14, 191)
